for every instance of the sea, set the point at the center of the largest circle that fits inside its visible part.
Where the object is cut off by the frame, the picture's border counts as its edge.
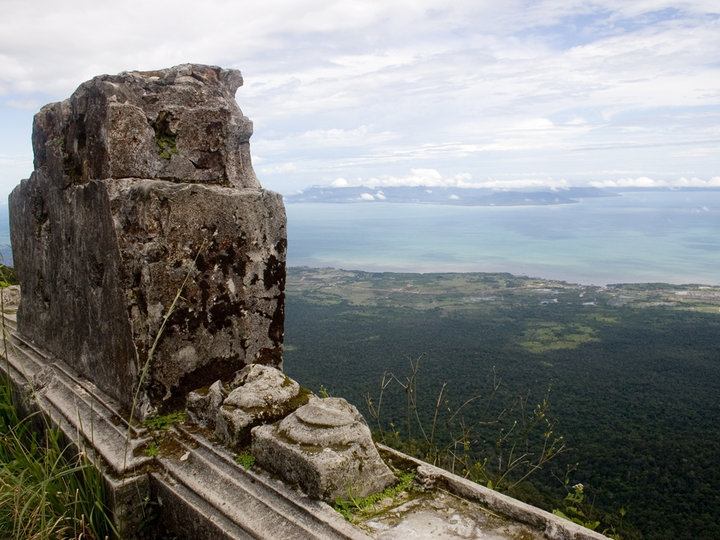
(632, 237)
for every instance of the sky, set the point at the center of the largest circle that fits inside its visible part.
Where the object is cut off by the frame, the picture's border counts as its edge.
(486, 93)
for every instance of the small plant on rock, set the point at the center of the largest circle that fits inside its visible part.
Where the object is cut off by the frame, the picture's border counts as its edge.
(152, 450)
(245, 460)
(364, 506)
(164, 422)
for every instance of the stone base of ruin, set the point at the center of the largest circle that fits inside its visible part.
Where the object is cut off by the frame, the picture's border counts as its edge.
(145, 245)
(198, 490)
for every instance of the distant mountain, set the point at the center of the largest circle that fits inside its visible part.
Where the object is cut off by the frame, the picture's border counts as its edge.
(444, 195)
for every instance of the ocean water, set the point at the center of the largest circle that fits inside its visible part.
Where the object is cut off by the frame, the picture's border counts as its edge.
(666, 236)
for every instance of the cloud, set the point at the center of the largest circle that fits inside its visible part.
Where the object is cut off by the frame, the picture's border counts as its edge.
(642, 181)
(645, 182)
(698, 182)
(509, 91)
(28, 104)
(525, 183)
(361, 135)
(14, 168)
(417, 177)
(433, 178)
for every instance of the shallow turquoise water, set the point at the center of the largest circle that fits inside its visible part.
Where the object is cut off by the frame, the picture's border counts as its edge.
(636, 237)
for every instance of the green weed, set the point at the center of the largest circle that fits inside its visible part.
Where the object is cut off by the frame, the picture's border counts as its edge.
(164, 422)
(152, 450)
(167, 146)
(245, 460)
(579, 508)
(574, 511)
(362, 506)
(524, 441)
(7, 276)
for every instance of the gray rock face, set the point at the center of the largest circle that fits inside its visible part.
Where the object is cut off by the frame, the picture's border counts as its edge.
(180, 124)
(326, 448)
(143, 232)
(202, 405)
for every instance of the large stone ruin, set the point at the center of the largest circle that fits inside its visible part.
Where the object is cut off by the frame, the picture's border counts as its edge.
(152, 263)
(144, 234)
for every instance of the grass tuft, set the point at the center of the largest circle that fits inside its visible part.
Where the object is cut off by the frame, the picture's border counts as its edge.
(47, 489)
(164, 422)
(361, 506)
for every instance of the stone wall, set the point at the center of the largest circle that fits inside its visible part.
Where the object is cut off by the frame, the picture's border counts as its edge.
(144, 232)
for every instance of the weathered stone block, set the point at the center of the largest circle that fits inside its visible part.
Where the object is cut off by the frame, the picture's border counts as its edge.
(261, 394)
(326, 448)
(143, 233)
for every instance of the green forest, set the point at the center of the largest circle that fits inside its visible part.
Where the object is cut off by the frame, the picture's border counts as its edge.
(623, 380)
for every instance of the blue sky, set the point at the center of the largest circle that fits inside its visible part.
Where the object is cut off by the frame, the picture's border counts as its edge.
(475, 93)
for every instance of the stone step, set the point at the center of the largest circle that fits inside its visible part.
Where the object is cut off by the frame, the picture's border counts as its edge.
(258, 503)
(183, 509)
(76, 405)
(200, 490)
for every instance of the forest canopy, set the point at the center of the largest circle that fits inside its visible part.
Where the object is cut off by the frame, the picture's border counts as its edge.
(634, 370)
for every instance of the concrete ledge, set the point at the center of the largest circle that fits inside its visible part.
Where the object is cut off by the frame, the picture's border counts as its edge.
(553, 526)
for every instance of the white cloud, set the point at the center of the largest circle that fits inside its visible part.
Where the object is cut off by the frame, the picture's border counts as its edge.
(433, 178)
(515, 91)
(642, 181)
(417, 177)
(645, 182)
(698, 182)
(14, 168)
(29, 104)
(343, 137)
(525, 183)
(367, 197)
